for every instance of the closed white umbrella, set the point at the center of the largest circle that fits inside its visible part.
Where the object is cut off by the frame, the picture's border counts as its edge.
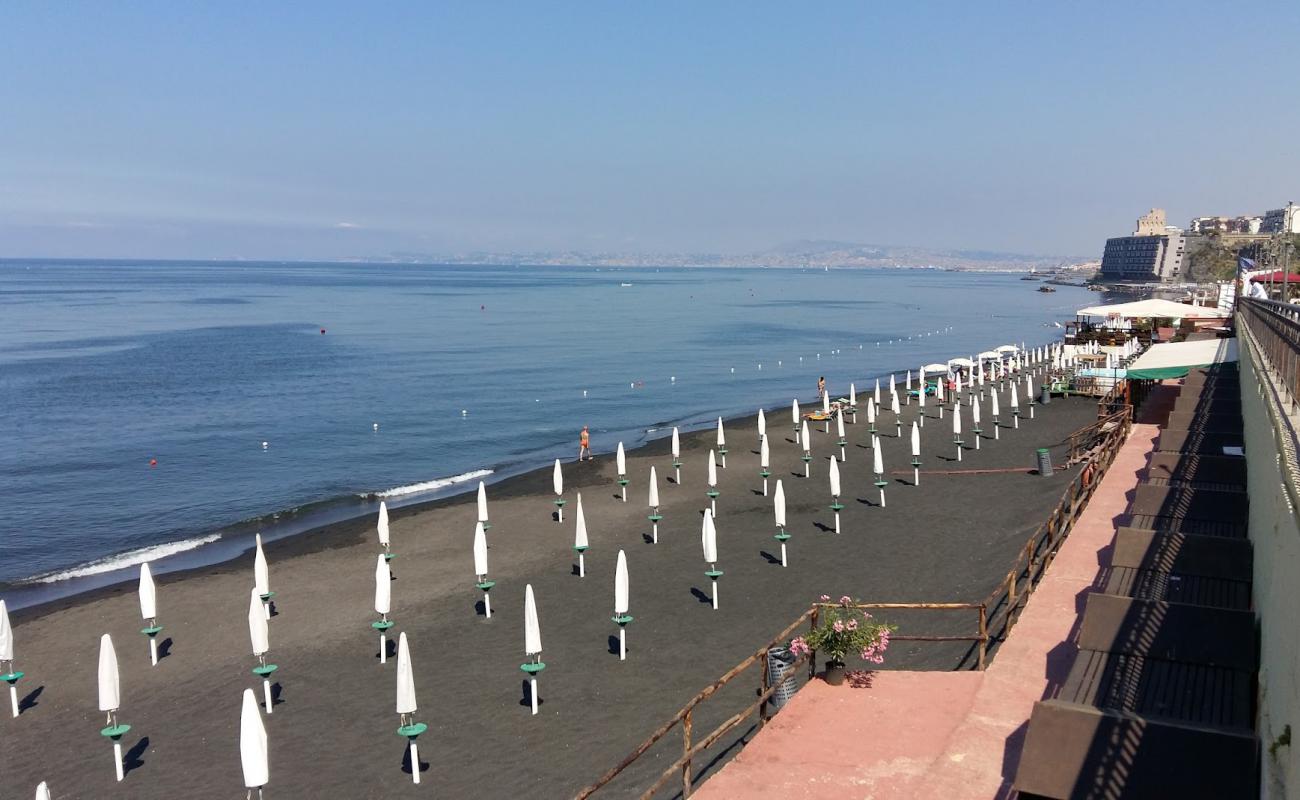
(382, 526)
(481, 568)
(836, 506)
(939, 387)
(383, 604)
(709, 541)
(841, 439)
(406, 705)
(764, 462)
(806, 441)
(148, 611)
(259, 636)
(877, 394)
(1015, 406)
(826, 411)
(620, 466)
(42, 791)
(916, 454)
(110, 699)
(878, 466)
(907, 388)
(10, 675)
(778, 508)
(898, 414)
(892, 390)
(482, 506)
(956, 427)
(794, 414)
(262, 577)
(853, 402)
(532, 644)
(557, 483)
(252, 745)
(722, 443)
(713, 482)
(580, 539)
(975, 419)
(920, 396)
(654, 516)
(995, 411)
(677, 457)
(1029, 393)
(762, 425)
(621, 617)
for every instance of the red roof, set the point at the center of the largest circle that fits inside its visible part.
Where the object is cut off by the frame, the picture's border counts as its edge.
(1276, 277)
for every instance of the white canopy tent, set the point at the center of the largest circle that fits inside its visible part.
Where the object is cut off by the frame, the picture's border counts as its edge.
(1147, 309)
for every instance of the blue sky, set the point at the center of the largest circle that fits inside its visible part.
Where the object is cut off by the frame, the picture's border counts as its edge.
(336, 130)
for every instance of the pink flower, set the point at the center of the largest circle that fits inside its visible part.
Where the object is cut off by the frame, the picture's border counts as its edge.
(799, 647)
(839, 626)
(825, 598)
(846, 600)
(853, 625)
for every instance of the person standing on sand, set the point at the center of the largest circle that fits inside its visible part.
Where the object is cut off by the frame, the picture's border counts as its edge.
(821, 386)
(584, 444)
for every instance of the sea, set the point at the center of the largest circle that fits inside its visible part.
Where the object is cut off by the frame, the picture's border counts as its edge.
(167, 411)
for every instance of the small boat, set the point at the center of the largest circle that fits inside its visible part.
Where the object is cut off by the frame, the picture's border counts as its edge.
(625, 284)
(1046, 289)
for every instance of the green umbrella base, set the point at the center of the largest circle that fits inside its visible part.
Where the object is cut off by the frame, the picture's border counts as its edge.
(722, 451)
(916, 462)
(266, 598)
(389, 556)
(782, 537)
(714, 574)
(806, 459)
(265, 672)
(383, 625)
(486, 585)
(713, 493)
(764, 474)
(837, 506)
(487, 526)
(977, 431)
(115, 732)
(623, 481)
(655, 517)
(677, 465)
(561, 503)
(413, 730)
(843, 443)
(12, 677)
(881, 484)
(621, 620)
(582, 549)
(151, 632)
(533, 669)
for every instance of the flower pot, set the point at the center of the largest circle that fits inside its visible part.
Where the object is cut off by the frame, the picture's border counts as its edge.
(834, 675)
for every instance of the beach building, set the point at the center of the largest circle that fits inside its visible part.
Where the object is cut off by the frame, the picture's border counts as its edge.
(1282, 220)
(1143, 257)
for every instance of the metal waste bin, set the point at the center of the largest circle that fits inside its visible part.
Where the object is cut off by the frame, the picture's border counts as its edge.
(1044, 393)
(1044, 462)
(780, 673)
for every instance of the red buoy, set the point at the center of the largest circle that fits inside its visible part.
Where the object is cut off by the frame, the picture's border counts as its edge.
(153, 462)
(322, 331)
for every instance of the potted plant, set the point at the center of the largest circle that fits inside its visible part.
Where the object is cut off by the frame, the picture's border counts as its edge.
(844, 628)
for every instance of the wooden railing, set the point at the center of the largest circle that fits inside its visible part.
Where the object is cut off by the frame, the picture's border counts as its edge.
(1103, 438)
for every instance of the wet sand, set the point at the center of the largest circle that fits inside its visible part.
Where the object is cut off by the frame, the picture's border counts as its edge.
(333, 733)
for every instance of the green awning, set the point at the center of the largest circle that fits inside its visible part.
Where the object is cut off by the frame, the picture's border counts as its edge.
(1176, 359)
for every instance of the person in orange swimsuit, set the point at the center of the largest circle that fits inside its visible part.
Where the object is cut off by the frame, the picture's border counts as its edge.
(584, 444)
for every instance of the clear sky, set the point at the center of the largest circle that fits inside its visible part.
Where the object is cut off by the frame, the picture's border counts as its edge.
(175, 129)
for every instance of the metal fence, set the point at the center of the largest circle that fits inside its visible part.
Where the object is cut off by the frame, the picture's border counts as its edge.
(1275, 328)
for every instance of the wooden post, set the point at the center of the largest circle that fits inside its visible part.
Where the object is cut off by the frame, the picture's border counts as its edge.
(762, 689)
(686, 753)
(1011, 591)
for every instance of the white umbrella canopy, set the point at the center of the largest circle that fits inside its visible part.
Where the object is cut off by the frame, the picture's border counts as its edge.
(405, 678)
(975, 410)
(713, 468)
(42, 791)
(893, 404)
(762, 424)
(826, 403)
(620, 460)
(853, 395)
(871, 411)
(383, 586)
(835, 477)
(532, 630)
(677, 445)
(920, 389)
(916, 440)
(620, 585)
(261, 575)
(557, 478)
(480, 551)
(482, 502)
(778, 504)
(1015, 397)
(580, 528)
(956, 419)
(993, 404)
(259, 633)
(892, 390)
(110, 684)
(654, 489)
(794, 411)
(805, 439)
(764, 454)
(1029, 387)
(252, 744)
(908, 385)
(722, 436)
(709, 538)
(6, 635)
(382, 524)
(877, 460)
(839, 424)
(877, 395)
(148, 596)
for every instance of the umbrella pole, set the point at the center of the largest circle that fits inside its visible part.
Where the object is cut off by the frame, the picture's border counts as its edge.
(487, 605)
(765, 487)
(996, 429)
(715, 594)
(882, 497)
(1016, 420)
(266, 607)
(837, 521)
(624, 494)
(153, 651)
(842, 458)
(582, 566)
(678, 470)
(117, 760)
(13, 699)
(383, 649)
(783, 554)
(266, 693)
(622, 644)
(532, 692)
(654, 535)
(916, 476)
(415, 763)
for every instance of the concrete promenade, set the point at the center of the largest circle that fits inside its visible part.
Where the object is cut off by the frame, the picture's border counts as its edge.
(943, 734)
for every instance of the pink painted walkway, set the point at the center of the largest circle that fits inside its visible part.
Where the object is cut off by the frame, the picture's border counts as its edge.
(940, 734)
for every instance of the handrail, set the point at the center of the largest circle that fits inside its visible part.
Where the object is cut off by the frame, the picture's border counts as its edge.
(1032, 562)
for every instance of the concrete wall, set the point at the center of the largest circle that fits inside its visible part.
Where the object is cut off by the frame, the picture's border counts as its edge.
(1276, 537)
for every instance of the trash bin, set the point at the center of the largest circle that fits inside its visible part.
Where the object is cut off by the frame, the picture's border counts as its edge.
(780, 673)
(1045, 393)
(1044, 462)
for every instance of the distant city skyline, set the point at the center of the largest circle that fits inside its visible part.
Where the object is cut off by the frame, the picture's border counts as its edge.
(333, 132)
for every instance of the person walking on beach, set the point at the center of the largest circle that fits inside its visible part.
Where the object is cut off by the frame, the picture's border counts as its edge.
(821, 386)
(584, 445)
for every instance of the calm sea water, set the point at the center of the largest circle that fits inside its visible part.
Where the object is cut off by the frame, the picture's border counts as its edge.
(106, 366)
